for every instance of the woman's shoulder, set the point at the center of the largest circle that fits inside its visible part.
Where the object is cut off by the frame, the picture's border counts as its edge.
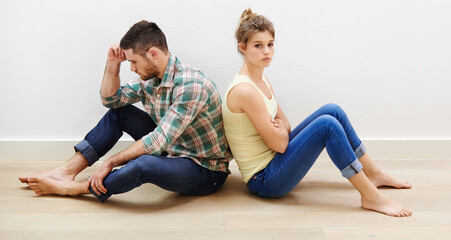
(244, 96)
(240, 78)
(240, 84)
(243, 90)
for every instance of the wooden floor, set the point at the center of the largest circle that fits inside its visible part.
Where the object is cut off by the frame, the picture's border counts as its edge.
(323, 206)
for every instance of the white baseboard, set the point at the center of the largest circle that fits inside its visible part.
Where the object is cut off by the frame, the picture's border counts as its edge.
(45, 150)
(407, 149)
(397, 149)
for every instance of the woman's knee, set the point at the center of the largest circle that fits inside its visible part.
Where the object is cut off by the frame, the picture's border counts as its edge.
(329, 123)
(327, 120)
(333, 109)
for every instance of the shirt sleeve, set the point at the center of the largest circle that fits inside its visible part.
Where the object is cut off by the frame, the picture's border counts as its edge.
(127, 94)
(189, 99)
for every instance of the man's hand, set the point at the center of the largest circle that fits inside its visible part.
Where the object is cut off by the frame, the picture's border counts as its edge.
(111, 81)
(123, 157)
(116, 54)
(96, 180)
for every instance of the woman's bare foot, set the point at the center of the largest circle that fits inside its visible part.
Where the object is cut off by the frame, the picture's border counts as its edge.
(42, 185)
(382, 179)
(386, 205)
(378, 177)
(57, 174)
(375, 200)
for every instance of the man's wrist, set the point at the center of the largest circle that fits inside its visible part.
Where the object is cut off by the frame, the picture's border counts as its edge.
(111, 162)
(113, 65)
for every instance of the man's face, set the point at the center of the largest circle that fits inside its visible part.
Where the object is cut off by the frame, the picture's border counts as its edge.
(143, 66)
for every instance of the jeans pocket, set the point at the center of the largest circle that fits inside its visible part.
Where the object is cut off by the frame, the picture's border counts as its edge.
(255, 183)
(209, 182)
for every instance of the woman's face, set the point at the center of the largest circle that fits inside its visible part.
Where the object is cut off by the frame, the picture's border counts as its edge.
(259, 49)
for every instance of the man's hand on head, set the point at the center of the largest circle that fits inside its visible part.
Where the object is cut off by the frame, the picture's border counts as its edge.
(116, 54)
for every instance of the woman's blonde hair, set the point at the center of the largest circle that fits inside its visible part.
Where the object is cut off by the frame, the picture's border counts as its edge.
(250, 24)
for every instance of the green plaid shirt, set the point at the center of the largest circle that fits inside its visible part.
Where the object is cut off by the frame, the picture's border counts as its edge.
(186, 107)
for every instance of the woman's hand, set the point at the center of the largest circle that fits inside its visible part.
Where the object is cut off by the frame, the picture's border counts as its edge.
(244, 97)
(279, 123)
(274, 123)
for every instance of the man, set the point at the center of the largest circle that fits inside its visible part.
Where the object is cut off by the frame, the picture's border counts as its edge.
(180, 141)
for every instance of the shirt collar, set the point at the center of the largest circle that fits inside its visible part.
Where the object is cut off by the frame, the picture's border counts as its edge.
(169, 73)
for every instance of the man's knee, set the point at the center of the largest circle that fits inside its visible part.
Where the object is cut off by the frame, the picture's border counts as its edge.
(121, 110)
(145, 163)
(141, 167)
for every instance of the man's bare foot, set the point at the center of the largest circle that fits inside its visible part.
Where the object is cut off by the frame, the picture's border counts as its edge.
(57, 174)
(386, 205)
(64, 173)
(382, 179)
(42, 185)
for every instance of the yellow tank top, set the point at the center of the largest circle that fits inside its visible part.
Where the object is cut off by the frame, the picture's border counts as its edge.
(248, 148)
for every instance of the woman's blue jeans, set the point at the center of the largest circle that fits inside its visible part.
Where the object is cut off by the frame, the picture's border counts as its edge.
(329, 128)
(181, 175)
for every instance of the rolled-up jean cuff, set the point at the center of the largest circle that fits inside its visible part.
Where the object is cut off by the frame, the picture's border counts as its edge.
(360, 151)
(87, 151)
(352, 169)
(101, 197)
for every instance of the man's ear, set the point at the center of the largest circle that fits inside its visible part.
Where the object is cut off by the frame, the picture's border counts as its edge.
(152, 53)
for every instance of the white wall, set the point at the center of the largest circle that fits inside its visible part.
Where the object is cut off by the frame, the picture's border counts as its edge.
(387, 62)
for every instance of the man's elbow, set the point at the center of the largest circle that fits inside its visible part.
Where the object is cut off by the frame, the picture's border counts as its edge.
(106, 93)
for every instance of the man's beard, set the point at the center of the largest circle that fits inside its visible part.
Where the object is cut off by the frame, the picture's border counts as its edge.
(150, 71)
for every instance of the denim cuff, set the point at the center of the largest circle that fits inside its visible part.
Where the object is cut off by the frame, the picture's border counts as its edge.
(352, 169)
(360, 151)
(87, 151)
(102, 197)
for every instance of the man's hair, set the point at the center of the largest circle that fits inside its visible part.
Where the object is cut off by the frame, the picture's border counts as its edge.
(142, 36)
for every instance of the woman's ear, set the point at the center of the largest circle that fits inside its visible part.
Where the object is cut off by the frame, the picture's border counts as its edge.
(242, 47)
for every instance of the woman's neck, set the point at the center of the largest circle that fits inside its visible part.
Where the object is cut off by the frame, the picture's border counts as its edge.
(254, 73)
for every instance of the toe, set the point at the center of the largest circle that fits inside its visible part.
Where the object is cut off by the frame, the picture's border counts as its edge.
(405, 212)
(408, 212)
(23, 179)
(32, 179)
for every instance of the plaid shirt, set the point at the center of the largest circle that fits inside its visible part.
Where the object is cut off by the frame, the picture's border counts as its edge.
(187, 110)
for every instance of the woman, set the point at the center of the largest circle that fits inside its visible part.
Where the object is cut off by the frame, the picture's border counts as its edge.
(272, 158)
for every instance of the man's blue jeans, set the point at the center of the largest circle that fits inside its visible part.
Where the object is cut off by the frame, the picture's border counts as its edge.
(181, 175)
(329, 128)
